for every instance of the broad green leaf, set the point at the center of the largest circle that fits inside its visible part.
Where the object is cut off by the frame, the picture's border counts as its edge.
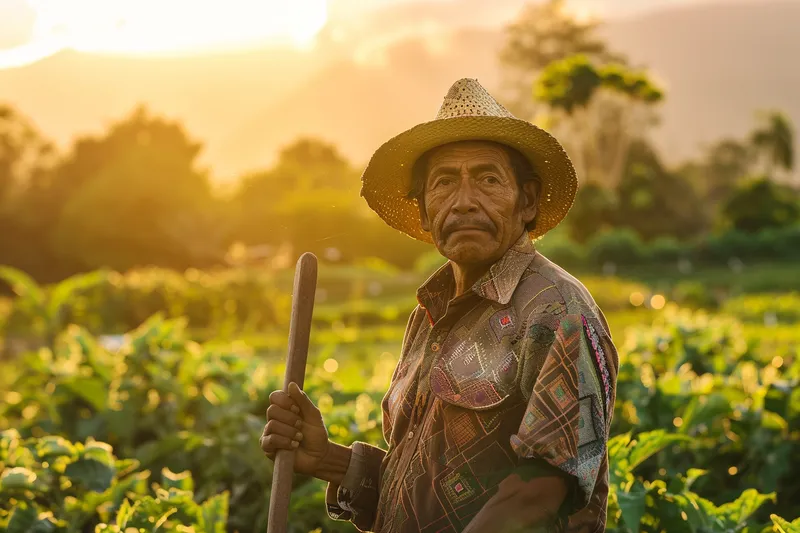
(214, 514)
(135, 483)
(739, 510)
(23, 518)
(632, 505)
(154, 451)
(794, 403)
(163, 518)
(697, 512)
(91, 473)
(18, 478)
(180, 480)
(772, 420)
(124, 514)
(126, 466)
(650, 443)
(99, 451)
(8, 435)
(692, 475)
(784, 526)
(618, 447)
(215, 393)
(705, 412)
(23, 285)
(66, 289)
(91, 389)
(54, 446)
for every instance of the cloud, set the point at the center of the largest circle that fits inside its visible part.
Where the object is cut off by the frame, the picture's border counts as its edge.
(153, 26)
(373, 29)
(16, 23)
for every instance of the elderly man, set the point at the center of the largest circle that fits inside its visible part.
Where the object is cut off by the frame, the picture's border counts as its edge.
(498, 411)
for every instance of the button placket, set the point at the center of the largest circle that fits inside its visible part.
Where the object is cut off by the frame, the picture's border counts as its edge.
(421, 397)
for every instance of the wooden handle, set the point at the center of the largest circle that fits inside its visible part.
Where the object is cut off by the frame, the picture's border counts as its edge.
(305, 285)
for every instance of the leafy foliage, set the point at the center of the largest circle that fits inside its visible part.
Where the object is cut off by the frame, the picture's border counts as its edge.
(694, 389)
(775, 139)
(54, 485)
(761, 204)
(572, 82)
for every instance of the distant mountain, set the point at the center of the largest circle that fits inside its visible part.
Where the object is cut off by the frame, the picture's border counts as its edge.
(719, 63)
(72, 93)
(359, 106)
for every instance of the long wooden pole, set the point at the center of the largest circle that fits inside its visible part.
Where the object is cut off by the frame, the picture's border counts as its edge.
(305, 285)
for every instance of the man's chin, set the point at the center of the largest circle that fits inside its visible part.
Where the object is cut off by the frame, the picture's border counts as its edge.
(464, 247)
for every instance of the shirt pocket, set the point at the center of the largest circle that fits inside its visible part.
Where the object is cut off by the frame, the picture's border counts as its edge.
(480, 370)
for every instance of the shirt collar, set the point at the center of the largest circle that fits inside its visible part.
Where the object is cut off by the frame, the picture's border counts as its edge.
(497, 284)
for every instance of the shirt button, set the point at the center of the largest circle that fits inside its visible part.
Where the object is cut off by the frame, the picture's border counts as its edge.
(410, 435)
(435, 346)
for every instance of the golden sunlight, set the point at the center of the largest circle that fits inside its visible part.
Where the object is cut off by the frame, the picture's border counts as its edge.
(134, 27)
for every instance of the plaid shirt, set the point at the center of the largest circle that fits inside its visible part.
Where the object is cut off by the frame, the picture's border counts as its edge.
(516, 375)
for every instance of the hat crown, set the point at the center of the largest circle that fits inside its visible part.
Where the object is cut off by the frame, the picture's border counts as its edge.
(468, 98)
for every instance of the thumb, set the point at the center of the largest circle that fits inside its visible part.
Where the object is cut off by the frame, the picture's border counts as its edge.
(308, 410)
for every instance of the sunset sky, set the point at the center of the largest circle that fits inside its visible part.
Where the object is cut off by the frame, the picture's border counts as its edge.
(33, 29)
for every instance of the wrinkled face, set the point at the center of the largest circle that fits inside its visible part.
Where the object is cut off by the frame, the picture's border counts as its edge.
(472, 205)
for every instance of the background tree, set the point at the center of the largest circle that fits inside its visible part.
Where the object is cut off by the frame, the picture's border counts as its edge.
(761, 204)
(266, 202)
(598, 140)
(720, 170)
(26, 161)
(543, 33)
(654, 202)
(774, 141)
(135, 197)
(309, 200)
(593, 211)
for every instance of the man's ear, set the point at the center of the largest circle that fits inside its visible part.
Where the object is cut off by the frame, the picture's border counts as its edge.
(529, 201)
(423, 214)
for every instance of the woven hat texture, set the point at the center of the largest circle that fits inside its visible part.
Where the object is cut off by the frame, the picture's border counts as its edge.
(468, 112)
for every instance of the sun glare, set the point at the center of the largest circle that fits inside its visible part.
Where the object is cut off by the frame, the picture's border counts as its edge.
(166, 26)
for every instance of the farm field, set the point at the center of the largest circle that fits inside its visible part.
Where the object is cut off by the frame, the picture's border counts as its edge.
(143, 395)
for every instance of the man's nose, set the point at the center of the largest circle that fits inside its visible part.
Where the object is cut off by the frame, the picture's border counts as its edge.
(465, 198)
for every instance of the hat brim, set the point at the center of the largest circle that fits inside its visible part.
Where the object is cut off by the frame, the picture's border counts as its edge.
(387, 179)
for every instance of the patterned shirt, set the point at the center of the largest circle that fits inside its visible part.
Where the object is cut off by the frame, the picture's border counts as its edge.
(519, 373)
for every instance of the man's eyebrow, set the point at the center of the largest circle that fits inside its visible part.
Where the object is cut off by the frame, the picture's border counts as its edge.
(481, 167)
(438, 169)
(484, 167)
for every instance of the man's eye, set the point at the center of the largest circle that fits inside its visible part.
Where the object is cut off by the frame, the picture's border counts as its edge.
(494, 180)
(444, 181)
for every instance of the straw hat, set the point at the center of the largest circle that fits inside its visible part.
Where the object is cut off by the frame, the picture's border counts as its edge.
(468, 112)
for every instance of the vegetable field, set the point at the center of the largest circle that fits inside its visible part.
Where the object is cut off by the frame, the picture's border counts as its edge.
(136, 401)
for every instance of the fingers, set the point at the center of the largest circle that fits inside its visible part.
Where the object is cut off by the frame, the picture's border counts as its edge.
(274, 427)
(308, 410)
(275, 412)
(279, 436)
(283, 400)
(272, 443)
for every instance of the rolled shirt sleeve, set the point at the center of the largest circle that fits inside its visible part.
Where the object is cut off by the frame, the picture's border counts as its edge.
(566, 422)
(356, 499)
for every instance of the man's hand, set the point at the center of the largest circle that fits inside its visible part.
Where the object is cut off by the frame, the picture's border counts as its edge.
(519, 506)
(295, 423)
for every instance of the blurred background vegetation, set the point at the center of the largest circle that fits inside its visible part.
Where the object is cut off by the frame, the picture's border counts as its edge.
(144, 305)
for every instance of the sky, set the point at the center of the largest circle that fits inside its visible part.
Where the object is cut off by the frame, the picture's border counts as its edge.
(33, 29)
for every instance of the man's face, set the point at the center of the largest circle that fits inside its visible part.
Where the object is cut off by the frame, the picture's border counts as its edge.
(472, 205)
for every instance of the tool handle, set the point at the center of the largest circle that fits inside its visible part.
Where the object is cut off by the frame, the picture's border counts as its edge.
(305, 285)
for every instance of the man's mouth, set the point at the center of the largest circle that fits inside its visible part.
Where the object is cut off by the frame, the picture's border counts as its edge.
(454, 227)
(465, 230)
